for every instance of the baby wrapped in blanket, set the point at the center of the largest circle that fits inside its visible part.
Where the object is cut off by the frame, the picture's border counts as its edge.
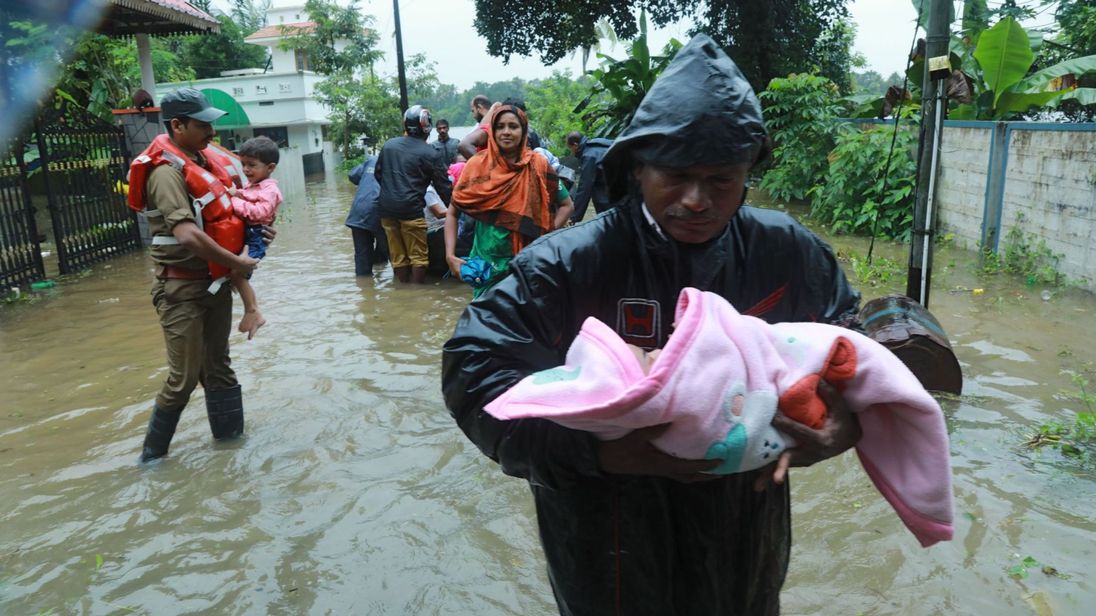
(720, 380)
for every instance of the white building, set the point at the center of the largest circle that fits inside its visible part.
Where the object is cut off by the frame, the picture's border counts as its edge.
(276, 101)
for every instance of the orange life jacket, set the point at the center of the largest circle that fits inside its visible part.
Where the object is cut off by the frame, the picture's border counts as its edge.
(208, 188)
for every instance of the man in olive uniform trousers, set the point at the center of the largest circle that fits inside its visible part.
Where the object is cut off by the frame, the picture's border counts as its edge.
(196, 322)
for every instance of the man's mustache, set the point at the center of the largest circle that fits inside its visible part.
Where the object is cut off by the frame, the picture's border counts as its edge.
(685, 215)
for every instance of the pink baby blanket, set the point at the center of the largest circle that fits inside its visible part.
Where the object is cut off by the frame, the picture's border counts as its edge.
(720, 380)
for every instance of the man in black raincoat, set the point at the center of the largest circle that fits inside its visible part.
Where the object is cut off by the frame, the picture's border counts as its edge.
(625, 528)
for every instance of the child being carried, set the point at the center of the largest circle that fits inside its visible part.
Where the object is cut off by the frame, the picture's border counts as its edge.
(723, 376)
(257, 204)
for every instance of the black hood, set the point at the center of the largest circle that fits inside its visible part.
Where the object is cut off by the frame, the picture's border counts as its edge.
(701, 110)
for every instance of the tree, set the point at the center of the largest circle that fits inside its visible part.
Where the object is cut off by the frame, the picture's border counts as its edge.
(551, 103)
(340, 40)
(362, 107)
(339, 46)
(766, 39)
(209, 54)
(620, 85)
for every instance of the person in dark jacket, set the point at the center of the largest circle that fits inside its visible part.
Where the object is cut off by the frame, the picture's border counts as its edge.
(627, 529)
(405, 167)
(446, 145)
(370, 243)
(591, 179)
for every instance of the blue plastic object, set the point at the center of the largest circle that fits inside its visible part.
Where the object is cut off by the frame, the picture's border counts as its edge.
(476, 271)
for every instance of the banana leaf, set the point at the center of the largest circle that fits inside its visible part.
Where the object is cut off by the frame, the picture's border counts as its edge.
(1039, 79)
(1004, 53)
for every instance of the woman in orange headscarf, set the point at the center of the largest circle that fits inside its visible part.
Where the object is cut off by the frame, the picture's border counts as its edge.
(510, 191)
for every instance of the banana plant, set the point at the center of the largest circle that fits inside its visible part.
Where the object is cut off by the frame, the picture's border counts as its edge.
(998, 64)
(620, 85)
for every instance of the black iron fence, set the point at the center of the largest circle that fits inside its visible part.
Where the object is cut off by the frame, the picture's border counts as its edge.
(20, 253)
(85, 162)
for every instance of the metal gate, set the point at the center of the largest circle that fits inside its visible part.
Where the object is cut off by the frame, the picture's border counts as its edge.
(85, 161)
(20, 254)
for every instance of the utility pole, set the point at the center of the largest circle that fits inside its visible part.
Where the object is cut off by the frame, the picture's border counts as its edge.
(399, 57)
(933, 107)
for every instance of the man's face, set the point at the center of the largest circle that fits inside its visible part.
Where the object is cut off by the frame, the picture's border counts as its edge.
(194, 135)
(693, 204)
(443, 132)
(478, 111)
(573, 147)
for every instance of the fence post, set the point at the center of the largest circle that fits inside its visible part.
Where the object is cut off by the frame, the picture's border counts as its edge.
(51, 197)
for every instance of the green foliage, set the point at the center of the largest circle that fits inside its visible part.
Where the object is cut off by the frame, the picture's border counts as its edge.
(620, 85)
(1004, 54)
(851, 197)
(104, 72)
(359, 105)
(800, 112)
(999, 63)
(766, 39)
(366, 107)
(551, 102)
(1019, 571)
(1076, 439)
(871, 82)
(454, 106)
(1025, 255)
(875, 273)
(347, 26)
(209, 54)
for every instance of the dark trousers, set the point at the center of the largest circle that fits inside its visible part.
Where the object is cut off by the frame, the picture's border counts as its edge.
(196, 325)
(369, 249)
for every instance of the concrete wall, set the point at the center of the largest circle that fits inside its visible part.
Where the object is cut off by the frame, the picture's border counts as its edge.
(1038, 177)
(290, 174)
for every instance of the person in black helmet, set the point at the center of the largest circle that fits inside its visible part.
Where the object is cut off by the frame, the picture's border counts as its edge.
(627, 529)
(405, 167)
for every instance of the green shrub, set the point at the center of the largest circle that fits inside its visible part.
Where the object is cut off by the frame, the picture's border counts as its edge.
(800, 113)
(851, 195)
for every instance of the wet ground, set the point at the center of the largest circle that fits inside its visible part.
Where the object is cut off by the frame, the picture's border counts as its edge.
(354, 493)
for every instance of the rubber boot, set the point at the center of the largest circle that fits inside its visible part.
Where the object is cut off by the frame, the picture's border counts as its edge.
(418, 275)
(403, 273)
(161, 428)
(225, 408)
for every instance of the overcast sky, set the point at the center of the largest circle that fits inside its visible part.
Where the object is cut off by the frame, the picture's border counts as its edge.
(444, 31)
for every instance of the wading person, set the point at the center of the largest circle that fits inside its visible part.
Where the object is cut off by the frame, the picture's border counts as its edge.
(625, 528)
(370, 243)
(191, 250)
(511, 192)
(591, 179)
(405, 167)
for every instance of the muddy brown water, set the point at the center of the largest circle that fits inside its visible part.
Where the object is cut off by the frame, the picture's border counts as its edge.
(354, 493)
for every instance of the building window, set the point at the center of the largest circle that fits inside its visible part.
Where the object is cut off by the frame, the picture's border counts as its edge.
(301, 57)
(285, 86)
(237, 91)
(278, 134)
(260, 89)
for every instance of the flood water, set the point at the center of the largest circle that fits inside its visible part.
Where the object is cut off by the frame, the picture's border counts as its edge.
(354, 493)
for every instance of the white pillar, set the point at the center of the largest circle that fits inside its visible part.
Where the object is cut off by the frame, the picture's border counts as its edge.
(144, 56)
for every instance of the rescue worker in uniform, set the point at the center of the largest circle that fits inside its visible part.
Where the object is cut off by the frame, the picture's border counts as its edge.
(175, 172)
(627, 529)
